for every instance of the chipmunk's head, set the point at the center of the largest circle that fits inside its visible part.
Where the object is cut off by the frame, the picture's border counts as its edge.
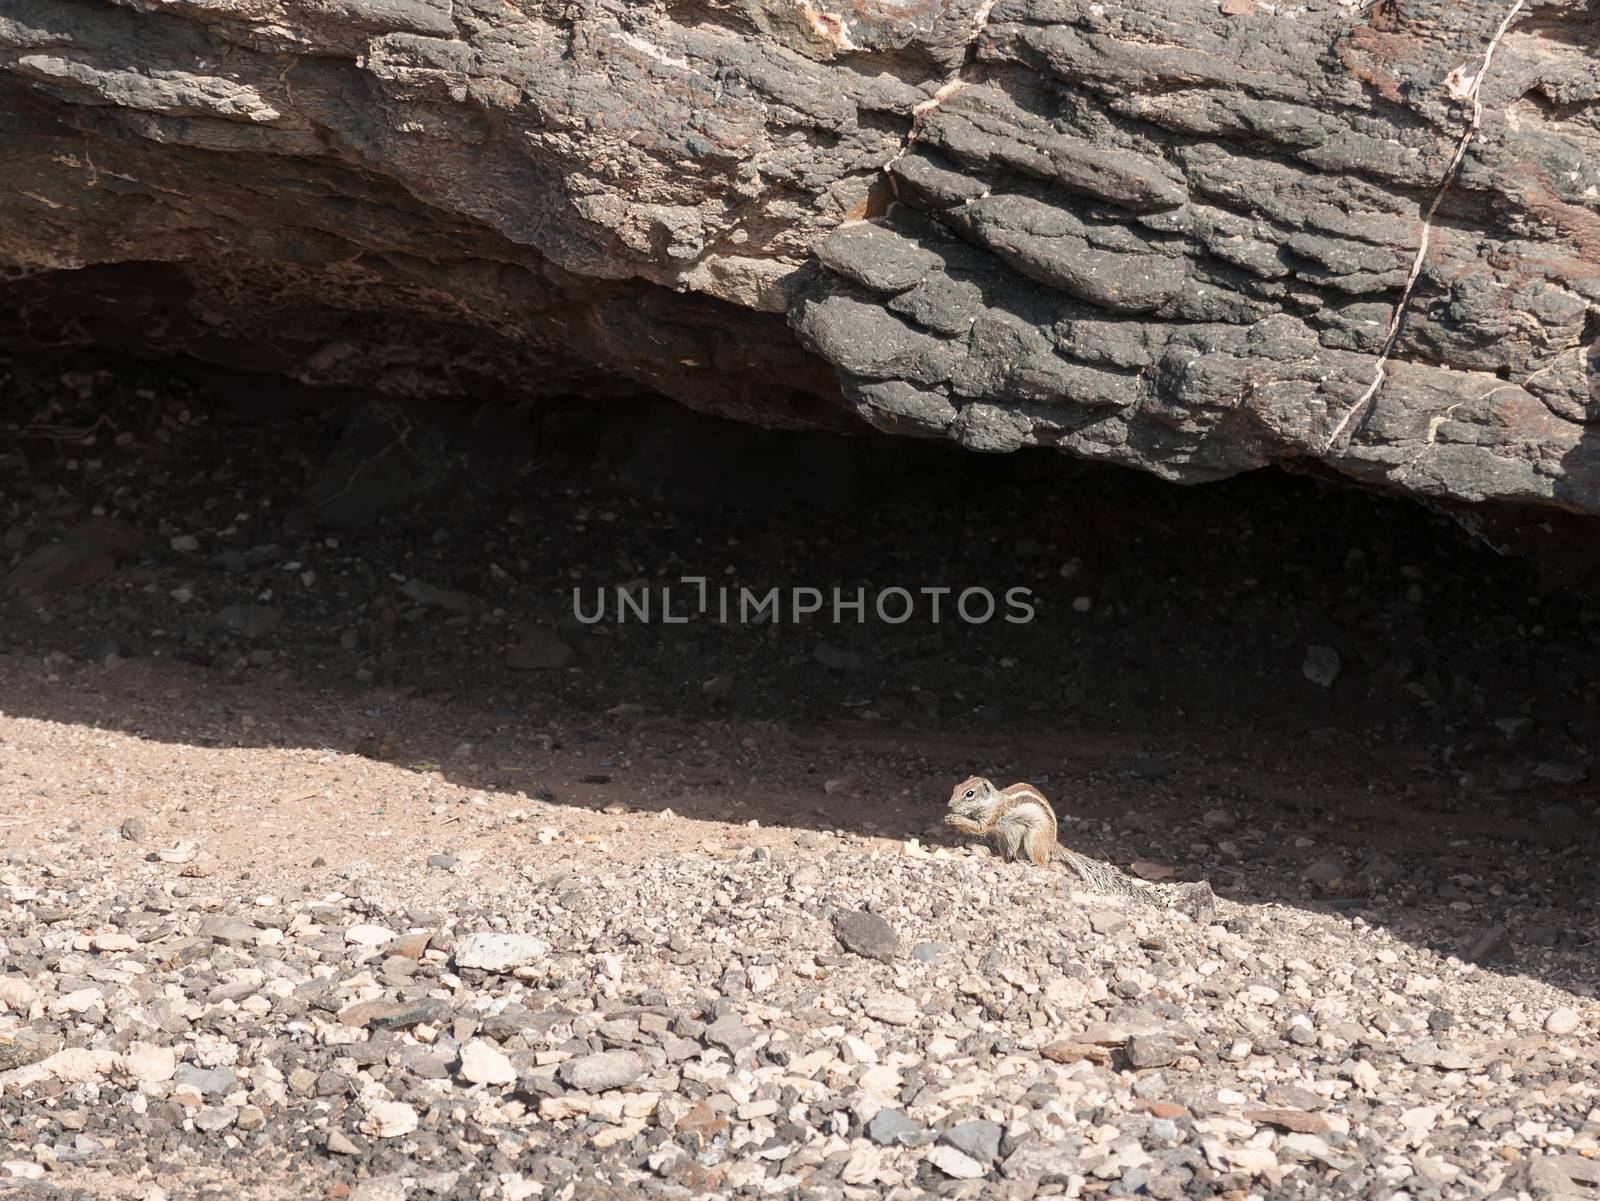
(972, 796)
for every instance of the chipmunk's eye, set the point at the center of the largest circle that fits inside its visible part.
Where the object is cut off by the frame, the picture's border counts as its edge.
(969, 795)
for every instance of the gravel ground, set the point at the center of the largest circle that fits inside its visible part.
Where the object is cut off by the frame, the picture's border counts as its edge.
(834, 1020)
(339, 862)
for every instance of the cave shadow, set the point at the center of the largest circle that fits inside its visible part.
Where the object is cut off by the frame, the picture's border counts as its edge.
(1438, 786)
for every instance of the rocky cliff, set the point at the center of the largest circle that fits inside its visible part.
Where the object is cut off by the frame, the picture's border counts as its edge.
(1191, 237)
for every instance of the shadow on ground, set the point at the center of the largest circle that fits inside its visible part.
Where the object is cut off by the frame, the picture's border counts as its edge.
(1305, 694)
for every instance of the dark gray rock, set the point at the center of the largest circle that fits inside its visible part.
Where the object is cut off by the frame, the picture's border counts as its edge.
(229, 931)
(729, 1033)
(250, 621)
(979, 1139)
(866, 934)
(1494, 945)
(1150, 1051)
(540, 649)
(841, 658)
(890, 1127)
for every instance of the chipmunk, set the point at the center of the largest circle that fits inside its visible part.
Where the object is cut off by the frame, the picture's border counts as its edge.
(1022, 825)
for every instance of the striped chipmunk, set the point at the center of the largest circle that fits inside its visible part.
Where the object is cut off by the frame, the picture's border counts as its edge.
(1021, 824)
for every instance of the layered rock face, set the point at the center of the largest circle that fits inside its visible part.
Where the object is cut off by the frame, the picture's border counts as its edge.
(1191, 237)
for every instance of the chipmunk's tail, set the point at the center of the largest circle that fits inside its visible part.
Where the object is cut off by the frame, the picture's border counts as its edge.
(1196, 900)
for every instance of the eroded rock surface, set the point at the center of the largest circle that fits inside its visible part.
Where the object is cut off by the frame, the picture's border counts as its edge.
(1169, 233)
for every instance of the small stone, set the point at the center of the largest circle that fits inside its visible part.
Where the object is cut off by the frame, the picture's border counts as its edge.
(1298, 1121)
(338, 1144)
(481, 1063)
(368, 936)
(80, 1000)
(929, 952)
(1254, 1160)
(208, 1082)
(1107, 921)
(701, 1120)
(425, 593)
(1321, 665)
(229, 931)
(1545, 1176)
(109, 944)
(250, 621)
(77, 1065)
(1559, 773)
(1364, 1076)
(202, 865)
(866, 934)
(956, 1164)
(862, 1166)
(409, 946)
(1561, 1021)
(540, 649)
(895, 1009)
(978, 1139)
(499, 952)
(215, 1118)
(387, 1119)
(1150, 1051)
(393, 1187)
(601, 1071)
(442, 861)
(840, 658)
(1168, 1112)
(1492, 946)
(16, 994)
(891, 1127)
(729, 1033)
(150, 1064)
(134, 829)
(1068, 1051)
(1432, 1055)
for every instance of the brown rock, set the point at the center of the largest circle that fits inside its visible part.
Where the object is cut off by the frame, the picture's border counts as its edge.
(1296, 1120)
(702, 1120)
(409, 946)
(1168, 1109)
(1067, 1051)
(89, 552)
